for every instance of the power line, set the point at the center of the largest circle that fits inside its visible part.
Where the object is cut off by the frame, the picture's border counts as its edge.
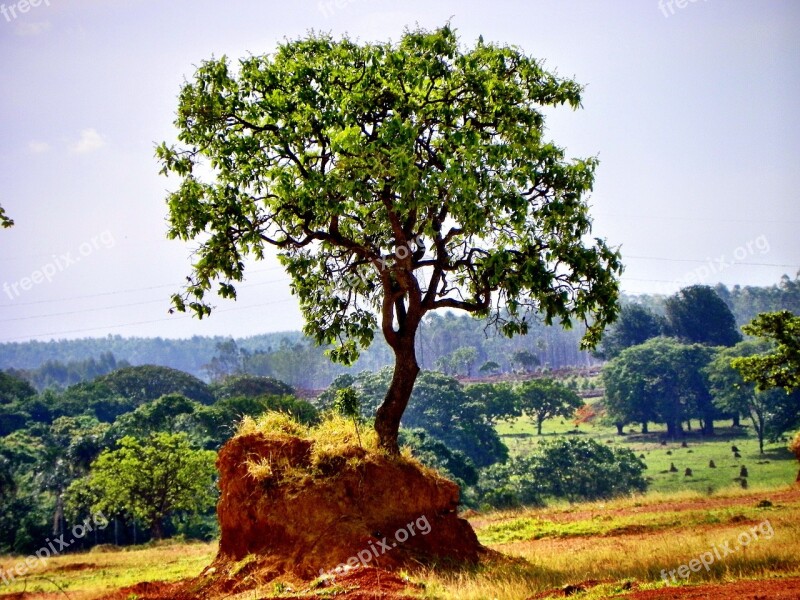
(707, 260)
(174, 318)
(94, 309)
(98, 294)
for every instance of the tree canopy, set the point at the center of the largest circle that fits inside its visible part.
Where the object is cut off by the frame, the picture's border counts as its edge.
(150, 479)
(545, 398)
(779, 367)
(394, 180)
(636, 325)
(696, 314)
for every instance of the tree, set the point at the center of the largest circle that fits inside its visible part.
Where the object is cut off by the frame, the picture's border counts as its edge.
(545, 398)
(152, 479)
(661, 380)
(459, 361)
(696, 314)
(149, 382)
(228, 361)
(525, 359)
(497, 401)
(394, 180)
(14, 388)
(732, 394)
(490, 367)
(781, 366)
(636, 325)
(436, 455)
(252, 386)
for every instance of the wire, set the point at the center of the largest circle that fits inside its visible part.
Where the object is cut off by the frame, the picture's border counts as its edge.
(707, 260)
(174, 318)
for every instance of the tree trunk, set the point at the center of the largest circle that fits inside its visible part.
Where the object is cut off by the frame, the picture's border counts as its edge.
(644, 427)
(388, 415)
(539, 426)
(157, 529)
(736, 420)
(619, 428)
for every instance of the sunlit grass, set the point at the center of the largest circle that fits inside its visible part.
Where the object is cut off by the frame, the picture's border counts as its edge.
(90, 574)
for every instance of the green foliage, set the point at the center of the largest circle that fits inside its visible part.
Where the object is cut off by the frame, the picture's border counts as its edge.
(697, 314)
(13, 388)
(5, 220)
(732, 394)
(525, 359)
(55, 374)
(169, 413)
(436, 455)
(495, 401)
(489, 367)
(660, 381)
(636, 325)
(781, 366)
(150, 479)
(148, 382)
(251, 386)
(439, 405)
(341, 154)
(546, 398)
(570, 468)
(459, 362)
(347, 403)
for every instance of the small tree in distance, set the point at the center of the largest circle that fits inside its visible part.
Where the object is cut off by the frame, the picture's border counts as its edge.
(393, 180)
(543, 399)
(525, 359)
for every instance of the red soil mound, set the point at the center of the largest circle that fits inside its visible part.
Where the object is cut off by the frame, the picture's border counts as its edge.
(352, 509)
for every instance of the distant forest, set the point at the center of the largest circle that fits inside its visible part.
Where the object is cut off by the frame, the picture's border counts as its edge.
(454, 343)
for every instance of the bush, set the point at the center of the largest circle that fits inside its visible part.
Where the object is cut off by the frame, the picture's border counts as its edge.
(570, 468)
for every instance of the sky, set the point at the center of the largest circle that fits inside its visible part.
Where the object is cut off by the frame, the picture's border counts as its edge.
(690, 106)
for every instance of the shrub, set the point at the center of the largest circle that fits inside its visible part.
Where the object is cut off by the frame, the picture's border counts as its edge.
(571, 468)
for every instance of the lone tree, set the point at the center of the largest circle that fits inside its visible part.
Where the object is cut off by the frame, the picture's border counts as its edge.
(394, 180)
(543, 399)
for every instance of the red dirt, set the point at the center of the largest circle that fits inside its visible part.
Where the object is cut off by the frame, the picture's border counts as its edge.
(370, 511)
(767, 589)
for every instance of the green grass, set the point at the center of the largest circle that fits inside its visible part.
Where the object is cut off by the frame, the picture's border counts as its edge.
(776, 467)
(605, 524)
(89, 574)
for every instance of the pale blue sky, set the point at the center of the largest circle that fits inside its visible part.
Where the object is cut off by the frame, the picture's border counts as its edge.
(693, 112)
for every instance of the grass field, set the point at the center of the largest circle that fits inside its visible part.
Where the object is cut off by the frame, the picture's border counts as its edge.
(776, 467)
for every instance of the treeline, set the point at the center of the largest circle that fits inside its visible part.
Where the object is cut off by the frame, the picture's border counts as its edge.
(456, 344)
